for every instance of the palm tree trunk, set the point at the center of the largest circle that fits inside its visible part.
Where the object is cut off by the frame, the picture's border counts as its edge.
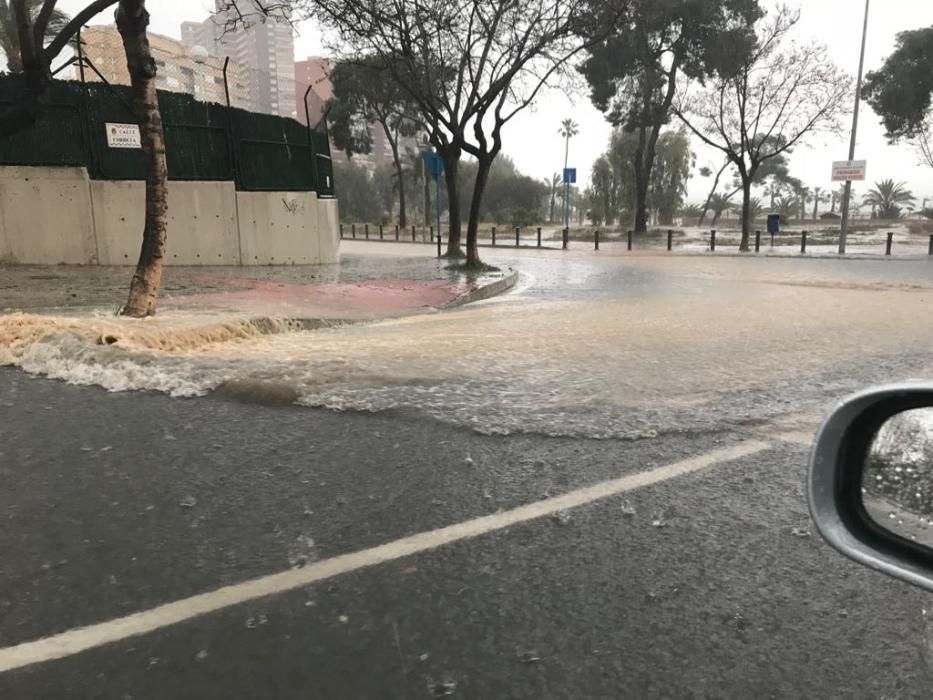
(132, 22)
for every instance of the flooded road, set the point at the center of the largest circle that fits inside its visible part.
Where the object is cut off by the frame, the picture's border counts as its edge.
(613, 347)
(678, 564)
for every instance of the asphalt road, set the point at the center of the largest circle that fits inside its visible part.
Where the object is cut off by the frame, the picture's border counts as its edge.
(707, 583)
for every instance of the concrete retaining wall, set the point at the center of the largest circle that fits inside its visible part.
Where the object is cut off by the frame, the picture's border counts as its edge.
(46, 216)
(202, 222)
(58, 215)
(279, 228)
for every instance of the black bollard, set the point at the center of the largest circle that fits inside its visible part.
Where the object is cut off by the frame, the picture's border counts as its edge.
(539, 238)
(887, 248)
(670, 240)
(566, 238)
(413, 234)
(432, 234)
(930, 250)
(629, 240)
(381, 237)
(712, 241)
(396, 231)
(353, 229)
(366, 229)
(803, 242)
(596, 238)
(757, 241)
(493, 236)
(439, 237)
(517, 238)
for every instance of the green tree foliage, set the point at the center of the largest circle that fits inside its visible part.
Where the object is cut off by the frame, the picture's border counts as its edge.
(511, 197)
(359, 195)
(634, 72)
(888, 199)
(719, 204)
(365, 94)
(674, 163)
(612, 182)
(9, 37)
(902, 90)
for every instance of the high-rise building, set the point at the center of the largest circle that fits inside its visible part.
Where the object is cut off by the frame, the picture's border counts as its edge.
(265, 50)
(178, 69)
(314, 73)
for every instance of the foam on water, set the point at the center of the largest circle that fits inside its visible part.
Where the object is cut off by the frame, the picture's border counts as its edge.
(627, 367)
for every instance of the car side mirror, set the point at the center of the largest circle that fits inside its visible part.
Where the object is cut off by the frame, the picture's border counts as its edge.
(871, 481)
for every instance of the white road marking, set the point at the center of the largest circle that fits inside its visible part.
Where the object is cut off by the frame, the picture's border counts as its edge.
(84, 638)
(804, 438)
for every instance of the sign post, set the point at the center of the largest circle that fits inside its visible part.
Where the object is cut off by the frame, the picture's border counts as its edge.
(570, 178)
(435, 165)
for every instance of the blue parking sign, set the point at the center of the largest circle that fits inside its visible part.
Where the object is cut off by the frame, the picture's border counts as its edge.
(570, 176)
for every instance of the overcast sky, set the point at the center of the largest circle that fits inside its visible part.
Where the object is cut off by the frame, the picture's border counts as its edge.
(532, 139)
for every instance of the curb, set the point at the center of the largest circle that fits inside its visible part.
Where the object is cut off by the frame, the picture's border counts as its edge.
(486, 291)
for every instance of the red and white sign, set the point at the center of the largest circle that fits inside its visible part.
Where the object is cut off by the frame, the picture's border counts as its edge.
(849, 170)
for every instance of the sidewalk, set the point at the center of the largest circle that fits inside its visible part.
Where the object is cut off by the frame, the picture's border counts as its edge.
(359, 287)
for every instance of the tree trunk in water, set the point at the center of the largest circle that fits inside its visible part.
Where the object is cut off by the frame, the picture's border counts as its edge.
(392, 138)
(483, 166)
(132, 21)
(641, 184)
(746, 212)
(451, 163)
(427, 195)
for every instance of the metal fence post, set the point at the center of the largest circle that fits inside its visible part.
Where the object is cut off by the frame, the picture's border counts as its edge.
(670, 240)
(380, 232)
(517, 237)
(596, 238)
(539, 238)
(396, 231)
(887, 249)
(414, 236)
(366, 230)
(757, 241)
(353, 229)
(630, 240)
(803, 242)
(712, 241)
(566, 238)
(493, 236)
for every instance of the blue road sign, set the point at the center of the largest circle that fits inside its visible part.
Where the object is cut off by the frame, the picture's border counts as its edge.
(570, 176)
(434, 163)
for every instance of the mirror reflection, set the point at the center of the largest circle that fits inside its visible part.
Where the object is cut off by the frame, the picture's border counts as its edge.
(897, 483)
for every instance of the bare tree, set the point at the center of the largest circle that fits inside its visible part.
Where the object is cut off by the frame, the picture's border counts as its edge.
(468, 66)
(781, 93)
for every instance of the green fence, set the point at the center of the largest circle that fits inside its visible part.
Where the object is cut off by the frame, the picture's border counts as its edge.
(203, 141)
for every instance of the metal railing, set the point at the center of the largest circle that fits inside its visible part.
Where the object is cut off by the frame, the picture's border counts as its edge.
(491, 238)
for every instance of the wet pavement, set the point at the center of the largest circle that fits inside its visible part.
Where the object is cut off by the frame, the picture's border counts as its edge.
(707, 584)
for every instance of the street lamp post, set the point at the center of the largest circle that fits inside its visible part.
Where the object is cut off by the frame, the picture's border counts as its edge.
(858, 99)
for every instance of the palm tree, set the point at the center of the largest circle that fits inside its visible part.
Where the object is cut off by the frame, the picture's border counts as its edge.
(9, 37)
(887, 197)
(719, 203)
(568, 129)
(819, 197)
(754, 209)
(553, 185)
